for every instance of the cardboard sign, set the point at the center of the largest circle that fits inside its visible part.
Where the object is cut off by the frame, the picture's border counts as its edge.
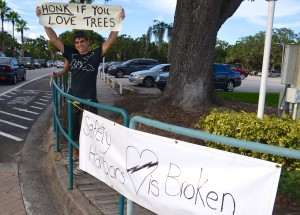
(80, 16)
(168, 176)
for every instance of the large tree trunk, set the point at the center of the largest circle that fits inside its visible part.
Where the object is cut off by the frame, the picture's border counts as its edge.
(192, 49)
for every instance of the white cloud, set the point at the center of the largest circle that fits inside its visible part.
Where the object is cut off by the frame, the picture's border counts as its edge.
(162, 6)
(256, 12)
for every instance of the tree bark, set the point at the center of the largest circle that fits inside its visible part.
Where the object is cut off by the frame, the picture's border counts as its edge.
(192, 50)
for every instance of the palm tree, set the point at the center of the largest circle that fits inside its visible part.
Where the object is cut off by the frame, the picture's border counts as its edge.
(13, 17)
(148, 39)
(4, 9)
(20, 27)
(52, 49)
(158, 30)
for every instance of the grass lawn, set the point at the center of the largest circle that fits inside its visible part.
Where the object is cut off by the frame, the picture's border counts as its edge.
(252, 98)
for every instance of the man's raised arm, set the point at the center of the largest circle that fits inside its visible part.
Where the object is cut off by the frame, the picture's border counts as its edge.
(112, 37)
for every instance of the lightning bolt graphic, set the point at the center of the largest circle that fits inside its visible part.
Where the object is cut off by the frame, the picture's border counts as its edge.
(137, 168)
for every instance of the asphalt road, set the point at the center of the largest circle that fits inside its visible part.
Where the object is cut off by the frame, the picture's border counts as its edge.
(25, 113)
(20, 106)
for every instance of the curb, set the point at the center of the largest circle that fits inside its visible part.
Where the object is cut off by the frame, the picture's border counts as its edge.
(76, 203)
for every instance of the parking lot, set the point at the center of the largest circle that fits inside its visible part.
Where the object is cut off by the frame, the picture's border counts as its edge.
(250, 84)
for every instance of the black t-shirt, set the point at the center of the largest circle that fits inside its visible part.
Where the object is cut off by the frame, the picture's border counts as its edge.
(84, 69)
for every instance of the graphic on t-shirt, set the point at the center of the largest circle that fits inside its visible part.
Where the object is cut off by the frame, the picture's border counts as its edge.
(83, 64)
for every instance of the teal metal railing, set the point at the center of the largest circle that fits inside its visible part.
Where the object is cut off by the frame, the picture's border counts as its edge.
(254, 146)
(71, 143)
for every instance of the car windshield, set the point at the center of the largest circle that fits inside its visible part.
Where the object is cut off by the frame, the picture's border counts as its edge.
(4, 60)
(125, 63)
(158, 67)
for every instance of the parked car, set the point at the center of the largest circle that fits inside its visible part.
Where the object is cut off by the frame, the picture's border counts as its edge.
(37, 64)
(224, 78)
(239, 69)
(11, 70)
(106, 66)
(43, 63)
(161, 80)
(274, 74)
(60, 64)
(147, 77)
(109, 64)
(271, 74)
(50, 63)
(254, 73)
(130, 66)
(115, 63)
(27, 62)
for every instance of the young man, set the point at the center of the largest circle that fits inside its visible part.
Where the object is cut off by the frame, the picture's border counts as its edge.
(83, 66)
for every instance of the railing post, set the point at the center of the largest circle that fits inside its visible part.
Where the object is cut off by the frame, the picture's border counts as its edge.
(60, 87)
(121, 87)
(70, 146)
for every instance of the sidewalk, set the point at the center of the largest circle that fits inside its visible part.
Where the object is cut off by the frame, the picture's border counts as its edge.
(89, 194)
(11, 202)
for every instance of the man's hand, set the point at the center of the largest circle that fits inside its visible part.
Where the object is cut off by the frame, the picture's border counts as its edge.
(54, 75)
(38, 11)
(122, 15)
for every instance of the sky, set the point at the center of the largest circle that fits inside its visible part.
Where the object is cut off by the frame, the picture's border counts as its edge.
(249, 19)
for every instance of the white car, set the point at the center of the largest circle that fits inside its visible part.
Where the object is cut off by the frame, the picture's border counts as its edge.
(147, 77)
(60, 64)
(271, 74)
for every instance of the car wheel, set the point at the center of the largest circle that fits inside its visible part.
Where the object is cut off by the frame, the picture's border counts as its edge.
(229, 86)
(148, 82)
(24, 77)
(14, 81)
(243, 76)
(119, 74)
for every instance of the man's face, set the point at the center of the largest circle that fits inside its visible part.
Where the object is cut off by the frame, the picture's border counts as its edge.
(81, 44)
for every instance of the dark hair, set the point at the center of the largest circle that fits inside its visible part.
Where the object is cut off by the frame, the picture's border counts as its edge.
(80, 34)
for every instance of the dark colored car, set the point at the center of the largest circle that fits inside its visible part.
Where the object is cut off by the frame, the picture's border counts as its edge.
(11, 70)
(109, 64)
(161, 80)
(37, 63)
(254, 73)
(27, 62)
(224, 78)
(130, 66)
(43, 63)
(239, 69)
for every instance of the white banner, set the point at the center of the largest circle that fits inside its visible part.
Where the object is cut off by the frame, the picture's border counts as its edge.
(172, 177)
(80, 16)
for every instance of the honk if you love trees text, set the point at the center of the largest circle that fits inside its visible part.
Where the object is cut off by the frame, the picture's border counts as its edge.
(80, 16)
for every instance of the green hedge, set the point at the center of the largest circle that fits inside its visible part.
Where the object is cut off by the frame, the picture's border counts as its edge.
(246, 126)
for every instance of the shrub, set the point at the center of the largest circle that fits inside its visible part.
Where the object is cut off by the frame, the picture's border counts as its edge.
(246, 126)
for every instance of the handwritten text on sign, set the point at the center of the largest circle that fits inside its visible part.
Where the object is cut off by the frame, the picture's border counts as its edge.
(181, 178)
(80, 16)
